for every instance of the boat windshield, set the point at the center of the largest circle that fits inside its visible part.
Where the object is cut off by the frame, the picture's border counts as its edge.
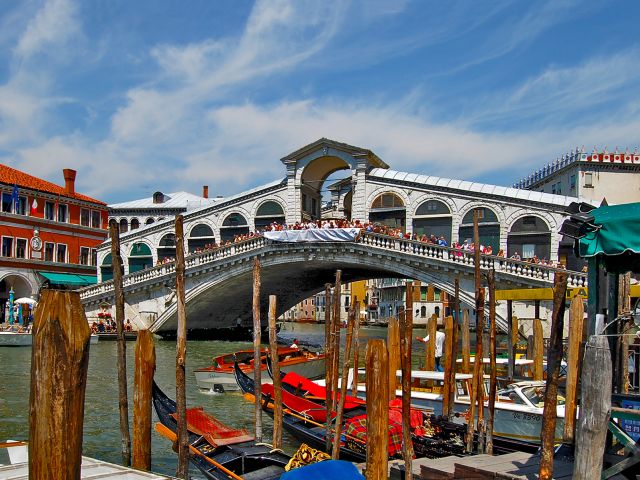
(535, 394)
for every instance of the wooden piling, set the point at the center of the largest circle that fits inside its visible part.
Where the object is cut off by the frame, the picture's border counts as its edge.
(377, 371)
(511, 354)
(453, 353)
(356, 349)
(576, 324)
(123, 403)
(430, 347)
(257, 372)
(145, 367)
(59, 362)
(343, 384)
(491, 282)
(624, 309)
(448, 392)
(466, 343)
(538, 350)
(277, 381)
(477, 393)
(337, 323)
(181, 355)
(406, 341)
(328, 359)
(393, 345)
(554, 357)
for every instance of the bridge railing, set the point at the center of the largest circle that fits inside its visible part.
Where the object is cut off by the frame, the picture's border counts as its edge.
(191, 260)
(500, 264)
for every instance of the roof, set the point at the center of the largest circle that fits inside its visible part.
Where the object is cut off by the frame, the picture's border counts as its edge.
(374, 160)
(185, 200)
(11, 176)
(473, 187)
(617, 238)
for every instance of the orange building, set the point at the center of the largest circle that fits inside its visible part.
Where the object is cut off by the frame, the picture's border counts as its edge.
(48, 234)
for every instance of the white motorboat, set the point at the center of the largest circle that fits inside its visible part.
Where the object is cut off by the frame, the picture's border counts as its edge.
(15, 339)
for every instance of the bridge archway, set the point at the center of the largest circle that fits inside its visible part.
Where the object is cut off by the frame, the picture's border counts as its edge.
(433, 217)
(135, 224)
(140, 257)
(167, 246)
(106, 268)
(200, 236)
(234, 224)
(529, 235)
(488, 228)
(313, 176)
(390, 210)
(267, 213)
(124, 225)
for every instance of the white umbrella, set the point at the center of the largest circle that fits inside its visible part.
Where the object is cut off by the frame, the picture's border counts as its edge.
(30, 301)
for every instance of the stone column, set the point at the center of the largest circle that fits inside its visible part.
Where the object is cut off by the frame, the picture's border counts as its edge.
(293, 214)
(359, 208)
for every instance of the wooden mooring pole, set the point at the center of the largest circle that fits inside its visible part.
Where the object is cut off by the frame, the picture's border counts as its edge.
(328, 359)
(595, 393)
(377, 371)
(466, 343)
(491, 282)
(181, 355)
(576, 325)
(393, 346)
(406, 340)
(59, 362)
(511, 353)
(343, 384)
(449, 368)
(430, 347)
(142, 387)
(452, 354)
(538, 349)
(554, 357)
(123, 403)
(356, 350)
(277, 381)
(335, 336)
(257, 364)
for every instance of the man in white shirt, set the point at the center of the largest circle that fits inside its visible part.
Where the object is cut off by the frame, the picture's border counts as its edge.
(440, 336)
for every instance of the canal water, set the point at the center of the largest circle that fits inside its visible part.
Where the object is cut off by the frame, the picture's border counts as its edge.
(101, 420)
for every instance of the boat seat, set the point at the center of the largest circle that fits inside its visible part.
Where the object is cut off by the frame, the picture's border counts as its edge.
(272, 472)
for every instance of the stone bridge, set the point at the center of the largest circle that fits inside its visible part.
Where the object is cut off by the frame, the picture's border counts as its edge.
(218, 282)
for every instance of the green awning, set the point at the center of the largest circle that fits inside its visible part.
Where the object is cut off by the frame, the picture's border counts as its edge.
(69, 279)
(618, 238)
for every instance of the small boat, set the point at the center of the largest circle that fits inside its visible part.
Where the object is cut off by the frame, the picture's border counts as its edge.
(432, 437)
(25, 339)
(217, 450)
(113, 336)
(219, 375)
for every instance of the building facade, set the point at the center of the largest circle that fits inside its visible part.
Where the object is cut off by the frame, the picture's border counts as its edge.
(49, 234)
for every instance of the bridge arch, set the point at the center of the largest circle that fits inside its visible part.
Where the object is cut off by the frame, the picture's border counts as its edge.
(167, 246)
(123, 225)
(106, 268)
(389, 207)
(529, 235)
(135, 223)
(200, 235)
(267, 212)
(490, 224)
(312, 174)
(140, 256)
(235, 223)
(433, 216)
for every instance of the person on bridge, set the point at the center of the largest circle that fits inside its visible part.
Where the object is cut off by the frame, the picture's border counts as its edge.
(440, 337)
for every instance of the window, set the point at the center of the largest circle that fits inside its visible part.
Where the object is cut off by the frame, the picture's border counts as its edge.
(94, 257)
(387, 200)
(6, 202)
(588, 179)
(84, 255)
(572, 182)
(423, 311)
(149, 221)
(49, 211)
(85, 217)
(436, 295)
(124, 226)
(62, 212)
(528, 250)
(96, 219)
(61, 253)
(21, 248)
(135, 224)
(22, 206)
(48, 251)
(7, 246)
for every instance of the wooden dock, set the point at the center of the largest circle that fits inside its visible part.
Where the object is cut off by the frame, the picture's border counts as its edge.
(91, 469)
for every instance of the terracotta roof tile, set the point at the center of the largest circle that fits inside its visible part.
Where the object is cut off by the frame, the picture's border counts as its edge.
(11, 176)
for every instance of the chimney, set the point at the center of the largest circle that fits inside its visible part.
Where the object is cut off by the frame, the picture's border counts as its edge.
(205, 191)
(69, 181)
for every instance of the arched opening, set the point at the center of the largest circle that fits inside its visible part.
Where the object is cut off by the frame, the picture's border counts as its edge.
(423, 311)
(200, 237)
(158, 197)
(234, 224)
(135, 224)
(433, 217)
(348, 202)
(313, 178)
(106, 268)
(488, 228)
(149, 221)
(268, 213)
(529, 236)
(140, 257)
(124, 225)
(388, 209)
(167, 247)
(21, 288)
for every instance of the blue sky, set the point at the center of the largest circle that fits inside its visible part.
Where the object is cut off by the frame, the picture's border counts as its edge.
(172, 95)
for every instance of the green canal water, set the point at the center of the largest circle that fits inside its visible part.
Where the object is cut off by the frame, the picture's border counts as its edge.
(101, 420)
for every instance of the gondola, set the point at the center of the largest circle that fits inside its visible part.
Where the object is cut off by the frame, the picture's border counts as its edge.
(218, 451)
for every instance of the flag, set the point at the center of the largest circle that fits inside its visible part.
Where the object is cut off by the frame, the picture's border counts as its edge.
(34, 206)
(15, 199)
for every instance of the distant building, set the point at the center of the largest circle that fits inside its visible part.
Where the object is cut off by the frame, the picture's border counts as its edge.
(49, 234)
(387, 298)
(591, 176)
(160, 206)
(313, 309)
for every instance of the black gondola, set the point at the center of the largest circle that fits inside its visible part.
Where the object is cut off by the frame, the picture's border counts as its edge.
(243, 458)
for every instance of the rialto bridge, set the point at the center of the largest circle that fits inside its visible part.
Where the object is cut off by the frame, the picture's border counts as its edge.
(219, 282)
